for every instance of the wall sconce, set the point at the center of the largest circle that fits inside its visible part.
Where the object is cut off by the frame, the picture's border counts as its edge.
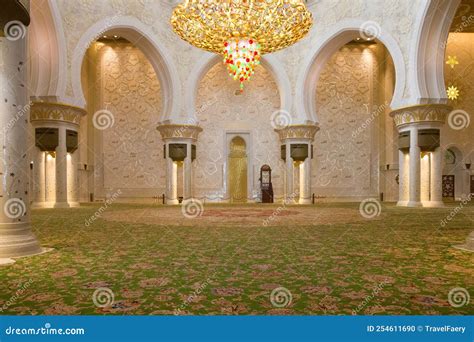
(468, 166)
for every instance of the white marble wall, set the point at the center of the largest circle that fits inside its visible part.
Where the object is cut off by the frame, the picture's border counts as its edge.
(220, 111)
(350, 100)
(131, 148)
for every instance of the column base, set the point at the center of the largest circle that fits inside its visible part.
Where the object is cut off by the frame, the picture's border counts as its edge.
(6, 261)
(413, 204)
(304, 201)
(433, 204)
(74, 204)
(61, 205)
(42, 205)
(172, 202)
(17, 239)
(402, 203)
(469, 245)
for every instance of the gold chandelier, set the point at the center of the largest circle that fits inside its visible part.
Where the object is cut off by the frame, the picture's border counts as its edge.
(241, 30)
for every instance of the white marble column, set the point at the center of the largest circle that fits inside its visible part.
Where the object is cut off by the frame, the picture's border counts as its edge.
(415, 154)
(72, 179)
(402, 179)
(180, 134)
(188, 176)
(61, 171)
(39, 172)
(437, 178)
(171, 181)
(425, 179)
(305, 180)
(16, 238)
(289, 191)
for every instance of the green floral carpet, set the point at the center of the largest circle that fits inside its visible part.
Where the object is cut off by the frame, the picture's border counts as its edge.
(401, 262)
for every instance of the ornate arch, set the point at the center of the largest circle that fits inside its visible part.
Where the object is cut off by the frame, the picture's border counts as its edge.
(339, 35)
(47, 50)
(208, 60)
(428, 50)
(141, 35)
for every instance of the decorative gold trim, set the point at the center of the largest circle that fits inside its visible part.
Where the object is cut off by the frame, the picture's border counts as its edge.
(175, 131)
(297, 132)
(53, 111)
(434, 112)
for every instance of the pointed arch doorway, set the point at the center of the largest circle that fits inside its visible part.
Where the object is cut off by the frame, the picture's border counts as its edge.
(238, 166)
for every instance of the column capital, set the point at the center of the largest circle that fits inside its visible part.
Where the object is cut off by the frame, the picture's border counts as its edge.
(56, 112)
(175, 131)
(424, 113)
(298, 132)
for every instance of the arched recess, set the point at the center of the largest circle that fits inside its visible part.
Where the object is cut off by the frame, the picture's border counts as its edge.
(238, 170)
(428, 50)
(48, 51)
(271, 63)
(142, 37)
(339, 35)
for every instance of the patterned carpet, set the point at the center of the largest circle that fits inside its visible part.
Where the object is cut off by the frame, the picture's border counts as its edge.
(323, 259)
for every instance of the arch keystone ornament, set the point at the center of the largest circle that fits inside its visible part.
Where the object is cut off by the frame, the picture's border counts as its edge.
(420, 154)
(296, 150)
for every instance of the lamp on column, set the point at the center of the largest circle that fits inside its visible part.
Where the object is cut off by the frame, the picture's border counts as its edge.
(468, 165)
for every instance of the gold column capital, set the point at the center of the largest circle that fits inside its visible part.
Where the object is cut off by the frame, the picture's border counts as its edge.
(298, 132)
(176, 131)
(423, 113)
(51, 111)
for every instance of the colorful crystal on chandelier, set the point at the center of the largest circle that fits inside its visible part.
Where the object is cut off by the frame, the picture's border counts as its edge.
(241, 56)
